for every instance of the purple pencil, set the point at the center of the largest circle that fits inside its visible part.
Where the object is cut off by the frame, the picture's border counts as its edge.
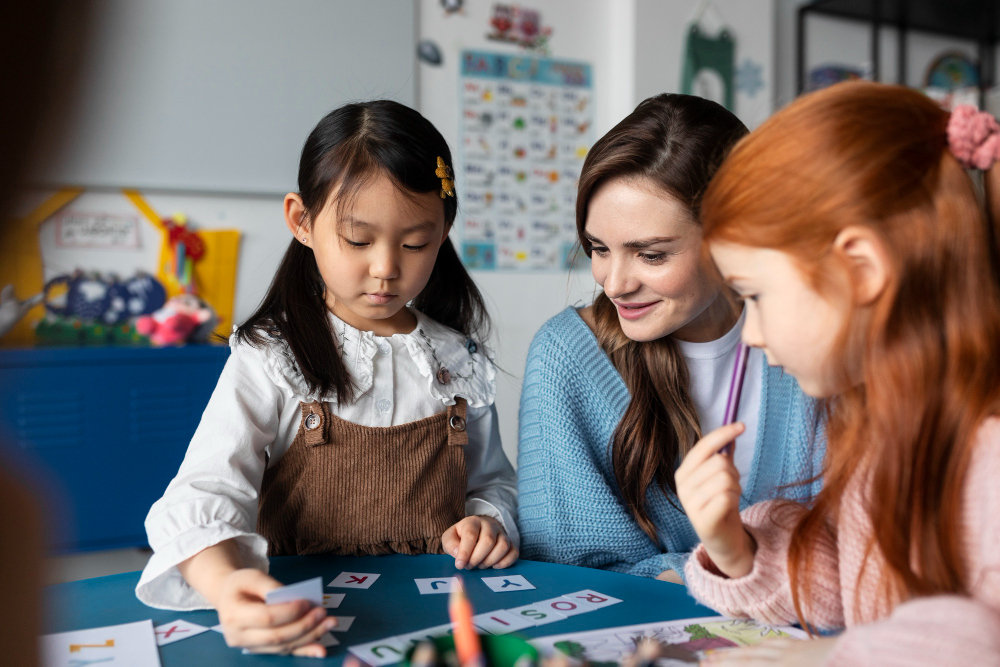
(735, 389)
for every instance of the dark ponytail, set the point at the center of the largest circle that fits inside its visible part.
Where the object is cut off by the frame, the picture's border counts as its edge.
(676, 142)
(349, 147)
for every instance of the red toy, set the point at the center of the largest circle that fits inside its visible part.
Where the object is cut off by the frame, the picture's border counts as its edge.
(183, 319)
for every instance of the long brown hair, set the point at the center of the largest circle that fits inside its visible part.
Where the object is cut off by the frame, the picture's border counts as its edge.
(675, 142)
(875, 155)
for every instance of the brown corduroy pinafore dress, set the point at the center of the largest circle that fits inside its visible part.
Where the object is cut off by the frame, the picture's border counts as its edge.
(357, 490)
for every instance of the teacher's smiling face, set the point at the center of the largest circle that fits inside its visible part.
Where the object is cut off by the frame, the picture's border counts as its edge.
(646, 254)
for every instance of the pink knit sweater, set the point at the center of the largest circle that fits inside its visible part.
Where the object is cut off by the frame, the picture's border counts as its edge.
(937, 630)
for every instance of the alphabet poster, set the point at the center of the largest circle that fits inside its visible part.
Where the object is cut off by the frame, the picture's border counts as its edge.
(526, 126)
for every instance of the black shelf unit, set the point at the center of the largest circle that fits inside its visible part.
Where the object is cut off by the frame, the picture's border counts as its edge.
(975, 20)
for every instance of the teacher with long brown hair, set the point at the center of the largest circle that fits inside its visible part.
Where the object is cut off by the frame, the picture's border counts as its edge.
(616, 393)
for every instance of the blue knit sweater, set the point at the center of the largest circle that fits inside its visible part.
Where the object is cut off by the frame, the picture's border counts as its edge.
(569, 506)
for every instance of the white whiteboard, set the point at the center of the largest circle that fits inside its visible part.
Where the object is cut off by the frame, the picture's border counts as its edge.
(219, 95)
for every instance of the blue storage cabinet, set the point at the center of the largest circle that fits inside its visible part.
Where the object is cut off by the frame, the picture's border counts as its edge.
(108, 426)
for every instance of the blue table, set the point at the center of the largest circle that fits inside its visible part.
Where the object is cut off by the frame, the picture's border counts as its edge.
(392, 606)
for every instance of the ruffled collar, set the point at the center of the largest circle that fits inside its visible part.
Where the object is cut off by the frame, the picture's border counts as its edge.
(451, 364)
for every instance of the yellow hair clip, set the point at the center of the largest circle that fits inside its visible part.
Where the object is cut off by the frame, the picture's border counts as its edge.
(443, 172)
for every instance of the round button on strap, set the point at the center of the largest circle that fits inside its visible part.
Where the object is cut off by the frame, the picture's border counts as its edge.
(313, 421)
(457, 423)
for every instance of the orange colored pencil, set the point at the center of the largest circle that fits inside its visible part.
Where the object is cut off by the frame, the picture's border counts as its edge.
(467, 645)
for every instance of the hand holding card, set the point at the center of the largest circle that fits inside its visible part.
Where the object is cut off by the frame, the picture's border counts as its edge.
(310, 589)
(259, 614)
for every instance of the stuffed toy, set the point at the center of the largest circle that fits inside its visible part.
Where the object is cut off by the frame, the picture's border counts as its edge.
(183, 319)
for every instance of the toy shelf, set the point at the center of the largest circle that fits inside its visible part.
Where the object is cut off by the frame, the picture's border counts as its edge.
(106, 428)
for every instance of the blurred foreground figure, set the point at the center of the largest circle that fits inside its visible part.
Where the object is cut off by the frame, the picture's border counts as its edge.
(41, 42)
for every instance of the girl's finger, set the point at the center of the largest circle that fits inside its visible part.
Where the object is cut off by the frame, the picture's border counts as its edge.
(722, 504)
(487, 540)
(313, 650)
(509, 559)
(711, 444)
(450, 540)
(499, 551)
(463, 552)
(713, 466)
(752, 656)
(254, 615)
(719, 485)
(255, 584)
(284, 635)
(312, 637)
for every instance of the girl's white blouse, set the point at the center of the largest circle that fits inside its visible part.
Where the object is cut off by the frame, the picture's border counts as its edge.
(255, 409)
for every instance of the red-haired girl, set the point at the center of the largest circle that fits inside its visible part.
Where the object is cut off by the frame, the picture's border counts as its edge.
(850, 227)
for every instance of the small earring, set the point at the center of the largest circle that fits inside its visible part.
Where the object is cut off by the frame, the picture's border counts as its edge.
(304, 240)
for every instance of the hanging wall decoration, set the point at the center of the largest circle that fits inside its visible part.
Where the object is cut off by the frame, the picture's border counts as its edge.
(519, 25)
(709, 64)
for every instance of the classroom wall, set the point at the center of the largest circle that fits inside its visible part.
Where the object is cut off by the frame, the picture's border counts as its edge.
(635, 48)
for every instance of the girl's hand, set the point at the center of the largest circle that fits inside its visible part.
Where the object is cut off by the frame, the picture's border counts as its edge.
(479, 541)
(775, 652)
(671, 576)
(247, 622)
(708, 486)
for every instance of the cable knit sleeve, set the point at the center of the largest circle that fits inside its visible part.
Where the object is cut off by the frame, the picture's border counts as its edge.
(765, 594)
(537, 485)
(214, 495)
(947, 629)
(569, 510)
(931, 631)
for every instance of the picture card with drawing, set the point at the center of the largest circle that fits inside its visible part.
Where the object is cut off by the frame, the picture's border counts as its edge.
(354, 580)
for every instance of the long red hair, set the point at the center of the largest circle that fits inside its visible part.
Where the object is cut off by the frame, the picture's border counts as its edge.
(875, 155)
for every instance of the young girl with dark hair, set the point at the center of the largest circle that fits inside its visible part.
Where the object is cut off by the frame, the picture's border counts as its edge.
(850, 226)
(616, 393)
(355, 414)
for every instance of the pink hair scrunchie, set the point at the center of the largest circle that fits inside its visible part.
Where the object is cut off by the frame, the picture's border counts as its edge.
(974, 137)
